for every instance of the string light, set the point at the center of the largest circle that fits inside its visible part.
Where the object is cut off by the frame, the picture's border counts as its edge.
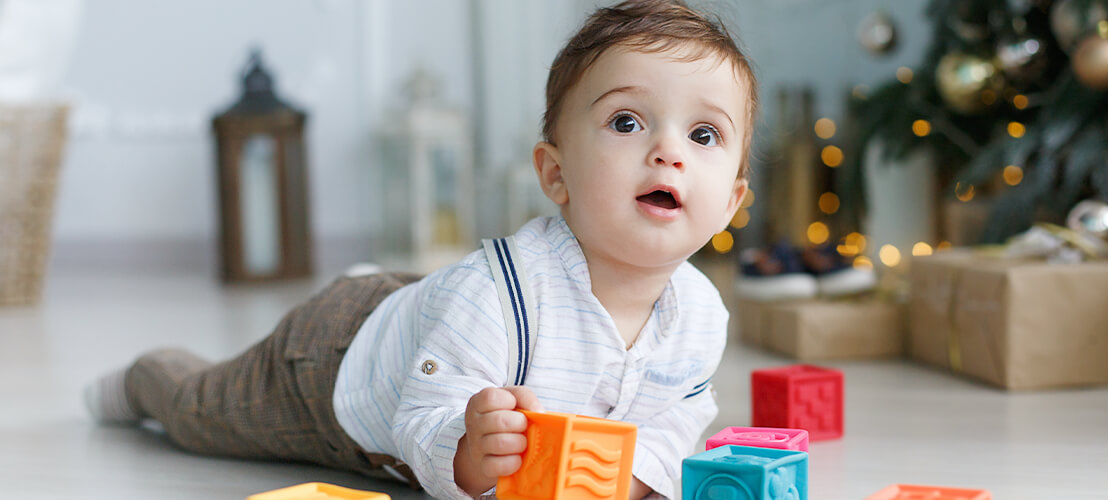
(818, 232)
(904, 74)
(741, 219)
(921, 249)
(921, 128)
(722, 242)
(832, 156)
(964, 192)
(862, 262)
(1016, 129)
(828, 203)
(1013, 175)
(890, 256)
(1020, 101)
(825, 128)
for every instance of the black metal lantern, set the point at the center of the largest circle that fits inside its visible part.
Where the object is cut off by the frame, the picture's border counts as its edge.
(263, 200)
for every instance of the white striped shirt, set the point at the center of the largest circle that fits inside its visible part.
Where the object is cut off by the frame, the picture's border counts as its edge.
(387, 403)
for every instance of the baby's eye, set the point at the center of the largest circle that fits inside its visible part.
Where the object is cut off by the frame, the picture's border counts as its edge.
(625, 124)
(705, 136)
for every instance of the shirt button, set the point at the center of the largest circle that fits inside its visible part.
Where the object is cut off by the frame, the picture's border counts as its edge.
(429, 367)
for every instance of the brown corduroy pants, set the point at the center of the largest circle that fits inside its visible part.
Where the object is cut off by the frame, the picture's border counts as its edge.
(274, 400)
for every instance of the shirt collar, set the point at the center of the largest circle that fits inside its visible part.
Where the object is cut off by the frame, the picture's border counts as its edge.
(565, 245)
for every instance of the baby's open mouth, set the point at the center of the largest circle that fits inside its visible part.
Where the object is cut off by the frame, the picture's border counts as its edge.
(660, 198)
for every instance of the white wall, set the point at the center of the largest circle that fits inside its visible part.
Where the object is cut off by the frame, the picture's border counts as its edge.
(146, 77)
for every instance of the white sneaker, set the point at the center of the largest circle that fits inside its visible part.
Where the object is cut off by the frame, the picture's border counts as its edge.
(362, 269)
(846, 281)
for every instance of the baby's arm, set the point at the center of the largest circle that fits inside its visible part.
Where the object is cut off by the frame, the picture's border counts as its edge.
(460, 349)
(494, 438)
(668, 437)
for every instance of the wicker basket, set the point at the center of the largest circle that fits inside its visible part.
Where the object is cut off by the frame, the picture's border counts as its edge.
(31, 142)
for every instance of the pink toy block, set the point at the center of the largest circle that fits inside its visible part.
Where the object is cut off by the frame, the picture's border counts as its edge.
(799, 397)
(762, 437)
(910, 492)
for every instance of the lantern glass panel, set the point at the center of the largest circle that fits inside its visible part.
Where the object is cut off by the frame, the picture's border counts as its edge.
(260, 206)
(445, 165)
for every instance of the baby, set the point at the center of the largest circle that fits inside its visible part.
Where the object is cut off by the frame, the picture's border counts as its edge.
(650, 110)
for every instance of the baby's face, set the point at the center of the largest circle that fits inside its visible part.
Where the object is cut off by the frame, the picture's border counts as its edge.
(649, 148)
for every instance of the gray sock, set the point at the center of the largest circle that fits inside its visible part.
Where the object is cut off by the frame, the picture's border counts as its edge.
(106, 400)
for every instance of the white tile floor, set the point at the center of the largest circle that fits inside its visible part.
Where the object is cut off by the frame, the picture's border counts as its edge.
(905, 423)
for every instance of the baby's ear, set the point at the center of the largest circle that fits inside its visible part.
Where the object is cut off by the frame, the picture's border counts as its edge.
(548, 165)
(738, 191)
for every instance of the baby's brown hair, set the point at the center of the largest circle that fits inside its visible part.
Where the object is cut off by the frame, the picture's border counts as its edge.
(649, 26)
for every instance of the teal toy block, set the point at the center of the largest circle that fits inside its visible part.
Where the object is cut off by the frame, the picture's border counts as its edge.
(734, 472)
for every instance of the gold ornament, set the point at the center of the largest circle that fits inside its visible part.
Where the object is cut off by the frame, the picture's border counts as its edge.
(877, 33)
(1090, 62)
(1023, 59)
(1068, 23)
(967, 82)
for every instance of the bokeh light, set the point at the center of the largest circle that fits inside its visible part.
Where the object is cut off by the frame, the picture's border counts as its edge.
(856, 240)
(921, 128)
(904, 74)
(825, 128)
(723, 242)
(748, 199)
(1016, 129)
(889, 255)
(921, 249)
(1013, 174)
(741, 219)
(862, 262)
(832, 156)
(1020, 101)
(828, 203)
(818, 232)
(964, 191)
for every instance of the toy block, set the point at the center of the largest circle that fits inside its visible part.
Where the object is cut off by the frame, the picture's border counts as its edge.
(318, 491)
(572, 457)
(799, 397)
(910, 492)
(762, 437)
(733, 472)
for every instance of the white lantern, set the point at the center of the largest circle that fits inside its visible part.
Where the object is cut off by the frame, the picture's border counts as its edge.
(428, 201)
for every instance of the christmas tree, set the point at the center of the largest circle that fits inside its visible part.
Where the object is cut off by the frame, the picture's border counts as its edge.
(1011, 98)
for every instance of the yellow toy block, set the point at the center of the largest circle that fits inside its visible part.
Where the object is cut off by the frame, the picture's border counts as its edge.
(318, 491)
(572, 457)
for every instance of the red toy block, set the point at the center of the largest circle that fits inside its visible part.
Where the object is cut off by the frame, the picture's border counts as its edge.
(909, 492)
(799, 397)
(762, 437)
(572, 457)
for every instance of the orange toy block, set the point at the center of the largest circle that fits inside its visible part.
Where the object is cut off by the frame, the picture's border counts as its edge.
(911, 492)
(572, 457)
(318, 491)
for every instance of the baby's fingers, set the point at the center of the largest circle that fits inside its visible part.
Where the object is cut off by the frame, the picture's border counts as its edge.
(503, 443)
(525, 399)
(500, 465)
(494, 422)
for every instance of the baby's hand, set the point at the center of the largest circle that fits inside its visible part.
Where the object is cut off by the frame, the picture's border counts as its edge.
(494, 439)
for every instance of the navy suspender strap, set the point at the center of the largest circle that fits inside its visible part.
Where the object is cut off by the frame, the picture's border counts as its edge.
(516, 303)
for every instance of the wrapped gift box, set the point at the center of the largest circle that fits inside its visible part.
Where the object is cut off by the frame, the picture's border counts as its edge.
(1019, 324)
(824, 329)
